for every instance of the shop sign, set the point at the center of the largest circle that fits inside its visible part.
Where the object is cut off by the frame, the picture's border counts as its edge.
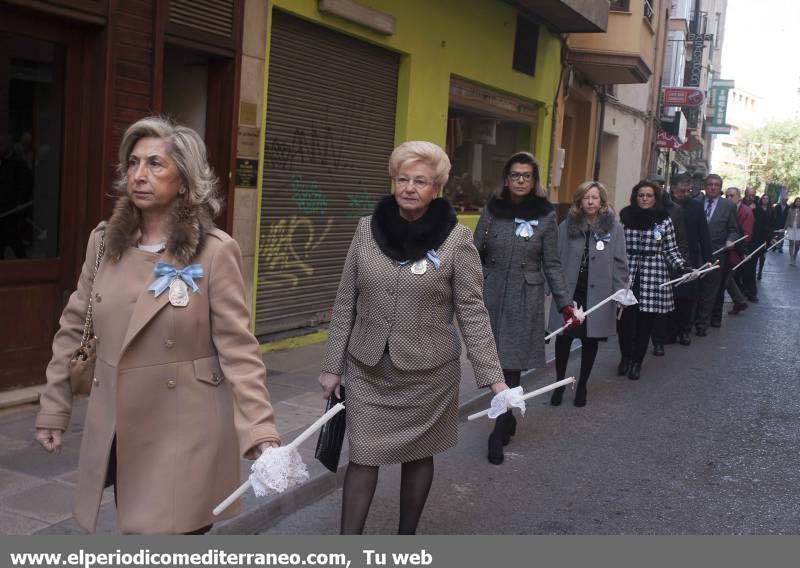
(720, 90)
(691, 97)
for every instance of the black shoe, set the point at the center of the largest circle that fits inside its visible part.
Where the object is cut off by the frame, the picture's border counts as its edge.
(555, 398)
(495, 455)
(753, 299)
(658, 350)
(623, 367)
(684, 339)
(510, 429)
(580, 396)
(737, 308)
(716, 324)
(701, 332)
(635, 372)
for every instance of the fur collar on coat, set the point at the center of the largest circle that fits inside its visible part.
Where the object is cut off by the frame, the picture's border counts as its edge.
(634, 217)
(532, 207)
(577, 226)
(189, 227)
(402, 240)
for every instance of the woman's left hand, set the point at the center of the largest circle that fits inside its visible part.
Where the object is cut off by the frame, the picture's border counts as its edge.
(255, 453)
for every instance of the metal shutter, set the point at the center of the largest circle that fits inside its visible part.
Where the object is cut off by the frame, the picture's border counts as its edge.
(329, 133)
(210, 16)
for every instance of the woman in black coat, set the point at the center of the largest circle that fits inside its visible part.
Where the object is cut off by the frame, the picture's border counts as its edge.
(762, 229)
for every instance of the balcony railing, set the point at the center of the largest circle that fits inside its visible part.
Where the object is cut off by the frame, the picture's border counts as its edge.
(648, 10)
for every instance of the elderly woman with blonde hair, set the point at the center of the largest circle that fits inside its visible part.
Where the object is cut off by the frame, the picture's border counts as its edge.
(179, 387)
(591, 246)
(410, 268)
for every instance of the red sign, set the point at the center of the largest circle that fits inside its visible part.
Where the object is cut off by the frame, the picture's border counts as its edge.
(691, 97)
(667, 141)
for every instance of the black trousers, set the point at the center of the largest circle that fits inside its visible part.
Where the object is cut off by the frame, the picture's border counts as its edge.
(711, 285)
(665, 328)
(633, 331)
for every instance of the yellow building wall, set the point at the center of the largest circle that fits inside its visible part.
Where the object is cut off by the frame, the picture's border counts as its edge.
(473, 40)
(628, 33)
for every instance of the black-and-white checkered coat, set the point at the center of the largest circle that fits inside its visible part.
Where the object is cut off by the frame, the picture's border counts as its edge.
(647, 261)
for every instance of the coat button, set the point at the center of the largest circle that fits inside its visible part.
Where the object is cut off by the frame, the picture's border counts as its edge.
(98, 298)
(169, 343)
(171, 383)
(591, 285)
(215, 378)
(96, 382)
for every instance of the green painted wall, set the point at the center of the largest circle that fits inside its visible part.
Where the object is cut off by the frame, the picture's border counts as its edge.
(471, 39)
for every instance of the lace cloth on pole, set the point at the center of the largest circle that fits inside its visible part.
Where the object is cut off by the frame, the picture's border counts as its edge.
(505, 400)
(276, 470)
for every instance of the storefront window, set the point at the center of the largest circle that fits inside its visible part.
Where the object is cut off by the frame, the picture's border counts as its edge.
(478, 146)
(31, 112)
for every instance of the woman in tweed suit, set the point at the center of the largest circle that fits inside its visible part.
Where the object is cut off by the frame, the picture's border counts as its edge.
(592, 248)
(518, 239)
(410, 268)
(651, 244)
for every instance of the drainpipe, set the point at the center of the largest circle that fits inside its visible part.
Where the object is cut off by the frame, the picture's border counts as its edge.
(601, 122)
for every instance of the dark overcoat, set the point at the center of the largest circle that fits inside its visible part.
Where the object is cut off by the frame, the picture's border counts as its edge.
(514, 273)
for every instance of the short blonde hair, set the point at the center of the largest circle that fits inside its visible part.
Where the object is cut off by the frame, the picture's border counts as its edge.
(421, 151)
(186, 148)
(576, 209)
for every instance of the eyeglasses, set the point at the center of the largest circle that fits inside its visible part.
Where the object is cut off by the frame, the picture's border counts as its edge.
(417, 183)
(516, 176)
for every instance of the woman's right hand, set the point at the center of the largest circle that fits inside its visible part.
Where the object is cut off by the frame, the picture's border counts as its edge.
(330, 383)
(49, 439)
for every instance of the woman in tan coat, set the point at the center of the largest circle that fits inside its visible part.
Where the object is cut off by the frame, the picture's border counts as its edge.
(179, 389)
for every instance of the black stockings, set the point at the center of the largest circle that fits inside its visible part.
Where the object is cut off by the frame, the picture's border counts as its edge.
(589, 347)
(359, 488)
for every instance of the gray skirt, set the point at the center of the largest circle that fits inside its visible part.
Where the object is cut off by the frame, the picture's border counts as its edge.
(396, 416)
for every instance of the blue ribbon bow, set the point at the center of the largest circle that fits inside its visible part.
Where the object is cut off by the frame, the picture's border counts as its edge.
(168, 273)
(525, 229)
(606, 237)
(658, 229)
(434, 258)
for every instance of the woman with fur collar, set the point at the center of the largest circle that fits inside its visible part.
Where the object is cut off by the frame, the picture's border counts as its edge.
(591, 245)
(651, 244)
(410, 268)
(179, 389)
(517, 236)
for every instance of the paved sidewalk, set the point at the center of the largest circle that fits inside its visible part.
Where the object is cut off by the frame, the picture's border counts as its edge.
(36, 488)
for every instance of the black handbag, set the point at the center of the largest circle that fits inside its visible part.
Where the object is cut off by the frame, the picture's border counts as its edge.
(331, 437)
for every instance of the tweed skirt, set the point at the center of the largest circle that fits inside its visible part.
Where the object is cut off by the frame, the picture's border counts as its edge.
(396, 416)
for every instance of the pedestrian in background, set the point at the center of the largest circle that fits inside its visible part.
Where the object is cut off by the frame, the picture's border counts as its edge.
(410, 268)
(651, 248)
(735, 283)
(762, 232)
(723, 230)
(699, 245)
(179, 392)
(517, 235)
(779, 213)
(591, 246)
(792, 227)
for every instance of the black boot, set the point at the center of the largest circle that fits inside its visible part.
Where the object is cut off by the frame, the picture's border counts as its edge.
(555, 398)
(510, 429)
(495, 454)
(624, 367)
(635, 371)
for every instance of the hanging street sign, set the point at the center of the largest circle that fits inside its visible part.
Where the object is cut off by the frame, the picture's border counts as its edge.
(690, 97)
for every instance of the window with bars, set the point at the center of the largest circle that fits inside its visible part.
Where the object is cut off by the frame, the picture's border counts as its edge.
(648, 10)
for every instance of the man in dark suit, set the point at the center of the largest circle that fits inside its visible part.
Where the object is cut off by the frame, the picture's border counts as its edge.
(780, 212)
(699, 252)
(723, 229)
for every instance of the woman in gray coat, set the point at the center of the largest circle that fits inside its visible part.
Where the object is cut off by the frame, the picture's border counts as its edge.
(591, 245)
(411, 268)
(517, 239)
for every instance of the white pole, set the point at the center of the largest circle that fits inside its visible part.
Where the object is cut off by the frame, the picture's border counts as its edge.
(307, 433)
(716, 252)
(526, 396)
(776, 243)
(748, 257)
(586, 313)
